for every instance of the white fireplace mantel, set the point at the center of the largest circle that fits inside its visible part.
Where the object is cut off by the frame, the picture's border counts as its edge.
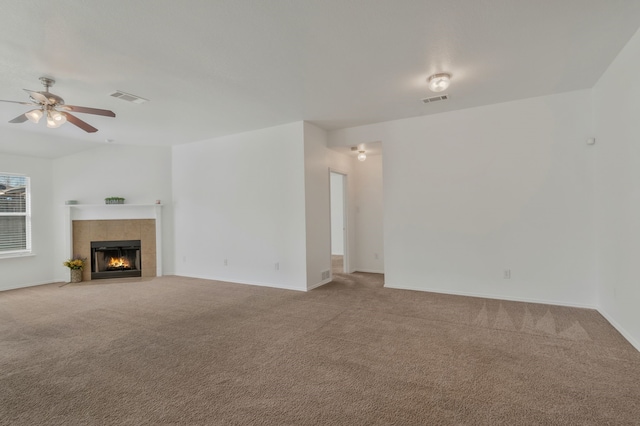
(114, 212)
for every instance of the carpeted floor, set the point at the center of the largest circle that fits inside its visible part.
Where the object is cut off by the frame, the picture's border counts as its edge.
(175, 350)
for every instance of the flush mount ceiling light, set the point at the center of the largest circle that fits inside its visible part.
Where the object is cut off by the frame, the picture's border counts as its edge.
(361, 152)
(439, 82)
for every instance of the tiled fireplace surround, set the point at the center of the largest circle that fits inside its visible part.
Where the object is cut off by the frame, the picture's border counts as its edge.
(86, 231)
(86, 223)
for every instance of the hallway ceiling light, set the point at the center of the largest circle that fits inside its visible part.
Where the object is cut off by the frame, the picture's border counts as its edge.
(362, 156)
(439, 82)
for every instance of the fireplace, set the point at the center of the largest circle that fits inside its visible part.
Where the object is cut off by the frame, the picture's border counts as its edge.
(115, 259)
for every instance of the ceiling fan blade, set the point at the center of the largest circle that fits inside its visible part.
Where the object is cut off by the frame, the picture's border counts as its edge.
(82, 124)
(19, 119)
(39, 97)
(17, 102)
(87, 110)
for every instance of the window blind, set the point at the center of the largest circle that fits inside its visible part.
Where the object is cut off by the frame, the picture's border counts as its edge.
(15, 214)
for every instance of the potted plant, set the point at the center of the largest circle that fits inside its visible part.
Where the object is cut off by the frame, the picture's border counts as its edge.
(114, 200)
(76, 265)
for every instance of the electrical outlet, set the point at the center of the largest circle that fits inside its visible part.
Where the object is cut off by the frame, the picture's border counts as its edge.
(507, 274)
(376, 256)
(277, 265)
(226, 262)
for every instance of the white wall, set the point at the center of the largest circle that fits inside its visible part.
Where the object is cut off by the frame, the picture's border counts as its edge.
(369, 215)
(617, 113)
(317, 200)
(36, 269)
(337, 213)
(470, 193)
(241, 198)
(140, 174)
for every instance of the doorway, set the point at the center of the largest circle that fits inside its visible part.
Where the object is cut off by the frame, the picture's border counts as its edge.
(339, 250)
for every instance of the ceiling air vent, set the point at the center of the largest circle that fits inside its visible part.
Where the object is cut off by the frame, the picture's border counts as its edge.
(129, 97)
(435, 99)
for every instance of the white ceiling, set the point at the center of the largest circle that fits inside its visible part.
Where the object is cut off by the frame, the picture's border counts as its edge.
(212, 68)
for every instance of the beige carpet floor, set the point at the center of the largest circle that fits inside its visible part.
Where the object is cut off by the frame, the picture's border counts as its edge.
(175, 350)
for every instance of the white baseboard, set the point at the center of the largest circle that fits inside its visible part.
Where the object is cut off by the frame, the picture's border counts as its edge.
(256, 283)
(495, 296)
(620, 329)
(15, 287)
(320, 284)
(369, 271)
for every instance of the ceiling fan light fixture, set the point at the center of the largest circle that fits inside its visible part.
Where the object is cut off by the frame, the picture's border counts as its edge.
(34, 115)
(51, 123)
(439, 82)
(58, 116)
(55, 119)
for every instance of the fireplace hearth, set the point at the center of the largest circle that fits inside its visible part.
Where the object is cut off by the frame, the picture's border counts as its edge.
(115, 259)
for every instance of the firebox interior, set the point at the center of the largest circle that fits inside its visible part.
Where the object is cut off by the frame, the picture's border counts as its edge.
(114, 259)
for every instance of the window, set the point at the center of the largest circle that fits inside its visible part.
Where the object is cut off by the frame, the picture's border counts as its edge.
(15, 215)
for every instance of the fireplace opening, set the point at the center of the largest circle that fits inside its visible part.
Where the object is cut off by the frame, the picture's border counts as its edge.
(115, 259)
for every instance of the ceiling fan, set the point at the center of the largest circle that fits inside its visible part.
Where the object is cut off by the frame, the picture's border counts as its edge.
(53, 108)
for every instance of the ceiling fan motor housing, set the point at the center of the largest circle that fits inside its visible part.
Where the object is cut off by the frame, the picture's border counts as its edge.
(52, 99)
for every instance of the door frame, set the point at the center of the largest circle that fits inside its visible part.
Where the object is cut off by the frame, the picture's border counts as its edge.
(345, 219)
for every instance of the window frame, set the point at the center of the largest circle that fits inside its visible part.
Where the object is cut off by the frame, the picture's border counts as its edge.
(26, 214)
